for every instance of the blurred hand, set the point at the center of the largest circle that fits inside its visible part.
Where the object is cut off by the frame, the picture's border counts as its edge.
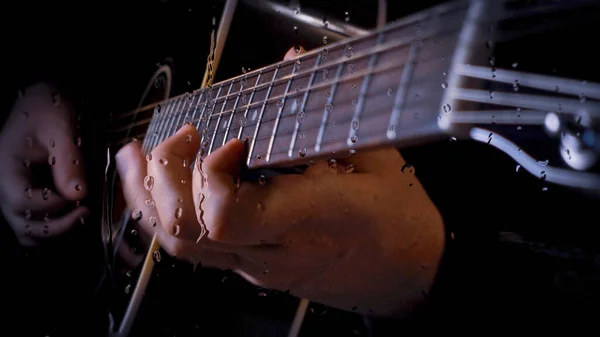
(359, 233)
(38, 137)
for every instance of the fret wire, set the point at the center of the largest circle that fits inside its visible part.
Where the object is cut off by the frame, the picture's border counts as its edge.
(218, 125)
(199, 120)
(196, 108)
(402, 91)
(235, 104)
(248, 107)
(278, 117)
(397, 43)
(187, 112)
(325, 111)
(210, 115)
(304, 100)
(382, 48)
(163, 124)
(149, 131)
(166, 133)
(262, 111)
(379, 69)
(177, 116)
(363, 93)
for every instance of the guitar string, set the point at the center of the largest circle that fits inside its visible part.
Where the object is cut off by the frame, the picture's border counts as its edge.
(284, 80)
(443, 10)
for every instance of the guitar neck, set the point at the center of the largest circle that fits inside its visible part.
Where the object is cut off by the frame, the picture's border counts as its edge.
(391, 87)
(381, 89)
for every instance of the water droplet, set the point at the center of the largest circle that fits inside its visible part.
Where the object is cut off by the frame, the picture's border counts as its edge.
(354, 87)
(355, 124)
(265, 272)
(352, 153)
(27, 214)
(302, 152)
(29, 142)
(46, 193)
(349, 168)
(149, 183)
(519, 127)
(178, 213)
(77, 187)
(152, 221)
(557, 89)
(156, 256)
(296, 29)
(262, 180)
(325, 22)
(353, 139)
(183, 181)
(185, 162)
(136, 215)
(444, 85)
(351, 68)
(78, 141)
(489, 44)
(262, 294)
(349, 53)
(332, 124)
(303, 135)
(453, 139)
(46, 217)
(259, 156)
(389, 91)
(582, 98)
(297, 10)
(518, 168)
(188, 139)
(329, 107)
(279, 104)
(325, 40)
(347, 16)
(410, 168)
(447, 108)
(327, 94)
(333, 167)
(163, 161)
(243, 121)
(354, 102)
(149, 157)
(515, 64)
(26, 163)
(176, 230)
(150, 203)
(300, 117)
(544, 189)
(244, 70)
(544, 163)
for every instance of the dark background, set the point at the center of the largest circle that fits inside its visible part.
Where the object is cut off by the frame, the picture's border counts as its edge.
(103, 54)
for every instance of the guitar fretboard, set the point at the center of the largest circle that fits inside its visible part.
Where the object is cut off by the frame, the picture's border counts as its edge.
(383, 87)
(389, 87)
